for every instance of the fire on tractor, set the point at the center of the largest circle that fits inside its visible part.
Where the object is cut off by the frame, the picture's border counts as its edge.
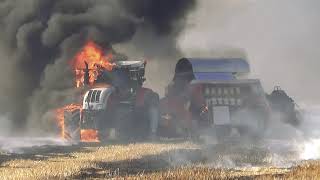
(212, 96)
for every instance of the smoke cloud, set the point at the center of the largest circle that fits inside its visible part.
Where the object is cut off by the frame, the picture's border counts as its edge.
(280, 38)
(281, 41)
(40, 36)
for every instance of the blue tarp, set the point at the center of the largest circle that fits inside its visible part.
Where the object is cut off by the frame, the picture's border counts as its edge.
(213, 76)
(219, 65)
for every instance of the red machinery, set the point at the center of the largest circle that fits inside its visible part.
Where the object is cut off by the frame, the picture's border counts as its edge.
(209, 95)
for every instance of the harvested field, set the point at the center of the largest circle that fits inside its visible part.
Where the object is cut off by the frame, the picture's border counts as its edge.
(161, 160)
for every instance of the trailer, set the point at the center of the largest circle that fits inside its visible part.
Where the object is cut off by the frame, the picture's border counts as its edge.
(214, 96)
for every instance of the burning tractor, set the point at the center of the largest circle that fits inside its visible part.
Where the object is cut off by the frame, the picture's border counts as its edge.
(212, 96)
(115, 103)
(123, 106)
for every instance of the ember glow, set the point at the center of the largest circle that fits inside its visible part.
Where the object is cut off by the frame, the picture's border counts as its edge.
(60, 118)
(89, 135)
(96, 59)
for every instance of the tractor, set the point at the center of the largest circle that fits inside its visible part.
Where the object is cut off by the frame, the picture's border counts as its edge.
(115, 106)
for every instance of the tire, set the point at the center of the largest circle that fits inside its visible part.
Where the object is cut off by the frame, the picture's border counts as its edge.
(124, 122)
(72, 125)
(152, 113)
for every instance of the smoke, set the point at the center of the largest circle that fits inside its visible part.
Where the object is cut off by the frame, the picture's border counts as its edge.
(27, 144)
(40, 36)
(280, 145)
(5, 126)
(280, 39)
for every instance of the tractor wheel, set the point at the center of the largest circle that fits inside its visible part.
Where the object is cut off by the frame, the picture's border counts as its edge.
(152, 113)
(72, 125)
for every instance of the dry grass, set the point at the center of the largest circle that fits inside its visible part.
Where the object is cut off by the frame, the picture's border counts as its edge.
(135, 161)
(67, 164)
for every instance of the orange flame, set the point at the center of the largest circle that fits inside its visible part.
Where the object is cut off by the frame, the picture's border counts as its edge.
(89, 135)
(60, 118)
(97, 60)
(86, 135)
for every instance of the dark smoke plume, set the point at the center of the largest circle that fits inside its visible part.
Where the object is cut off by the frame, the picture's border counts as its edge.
(39, 37)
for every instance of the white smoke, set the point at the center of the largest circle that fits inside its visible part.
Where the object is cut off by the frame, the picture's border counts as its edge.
(5, 125)
(280, 38)
(310, 148)
(22, 145)
(281, 41)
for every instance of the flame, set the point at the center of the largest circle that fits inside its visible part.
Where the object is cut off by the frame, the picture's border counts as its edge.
(60, 118)
(89, 135)
(86, 135)
(97, 60)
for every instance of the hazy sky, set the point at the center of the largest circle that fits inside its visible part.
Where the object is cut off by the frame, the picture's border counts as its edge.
(281, 39)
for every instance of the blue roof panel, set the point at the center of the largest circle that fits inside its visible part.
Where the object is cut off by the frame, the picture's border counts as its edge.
(213, 76)
(222, 65)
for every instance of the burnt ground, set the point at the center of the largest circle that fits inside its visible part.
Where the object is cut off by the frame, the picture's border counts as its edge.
(163, 159)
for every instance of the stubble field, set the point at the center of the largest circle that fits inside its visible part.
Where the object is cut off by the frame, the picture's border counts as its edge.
(161, 160)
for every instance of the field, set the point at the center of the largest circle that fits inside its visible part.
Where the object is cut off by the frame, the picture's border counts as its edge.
(161, 160)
